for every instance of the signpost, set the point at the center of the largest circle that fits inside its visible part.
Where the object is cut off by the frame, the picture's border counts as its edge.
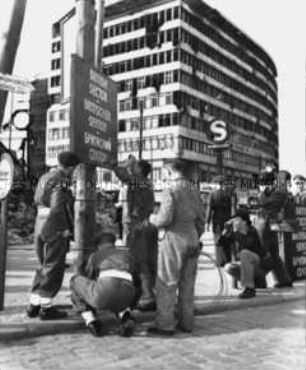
(93, 112)
(15, 84)
(6, 183)
(220, 134)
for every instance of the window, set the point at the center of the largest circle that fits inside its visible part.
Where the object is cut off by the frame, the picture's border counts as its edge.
(62, 115)
(52, 116)
(141, 83)
(168, 77)
(169, 14)
(154, 59)
(55, 64)
(55, 81)
(121, 126)
(176, 12)
(56, 46)
(168, 98)
(169, 56)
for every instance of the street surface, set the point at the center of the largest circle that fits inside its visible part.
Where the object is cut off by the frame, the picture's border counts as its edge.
(265, 338)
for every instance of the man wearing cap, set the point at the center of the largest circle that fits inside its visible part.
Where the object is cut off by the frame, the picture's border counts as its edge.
(109, 283)
(53, 229)
(250, 267)
(273, 201)
(220, 209)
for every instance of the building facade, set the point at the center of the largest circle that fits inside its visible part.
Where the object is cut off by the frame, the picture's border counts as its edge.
(179, 65)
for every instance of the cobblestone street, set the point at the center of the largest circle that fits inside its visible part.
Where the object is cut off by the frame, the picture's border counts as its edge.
(271, 337)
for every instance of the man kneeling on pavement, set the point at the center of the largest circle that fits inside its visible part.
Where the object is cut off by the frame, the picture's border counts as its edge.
(108, 283)
(254, 262)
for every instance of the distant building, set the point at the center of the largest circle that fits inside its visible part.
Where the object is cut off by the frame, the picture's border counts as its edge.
(186, 65)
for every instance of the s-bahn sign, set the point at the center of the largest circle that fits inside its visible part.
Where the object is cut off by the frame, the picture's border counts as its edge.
(93, 114)
(6, 175)
(219, 131)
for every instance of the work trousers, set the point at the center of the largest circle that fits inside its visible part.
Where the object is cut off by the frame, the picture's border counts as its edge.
(166, 298)
(269, 241)
(49, 275)
(142, 242)
(247, 270)
(106, 293)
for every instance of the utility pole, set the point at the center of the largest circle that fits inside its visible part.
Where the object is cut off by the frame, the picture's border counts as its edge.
(84, 227)
(9, 41)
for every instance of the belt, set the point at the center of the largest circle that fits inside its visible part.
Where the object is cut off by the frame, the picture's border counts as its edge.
(43, 211)
(116, 274)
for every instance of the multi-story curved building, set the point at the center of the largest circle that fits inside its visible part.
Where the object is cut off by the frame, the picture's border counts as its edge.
(179, 64)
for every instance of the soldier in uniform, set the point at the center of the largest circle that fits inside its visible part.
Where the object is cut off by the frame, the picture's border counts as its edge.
(53, 230)
(142, 237)
(181, 217)
(109, 283)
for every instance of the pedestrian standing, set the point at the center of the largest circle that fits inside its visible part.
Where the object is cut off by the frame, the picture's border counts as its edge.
(53, 230)
(142, 236)
(220, 209)
(272, 202)
(181, 217)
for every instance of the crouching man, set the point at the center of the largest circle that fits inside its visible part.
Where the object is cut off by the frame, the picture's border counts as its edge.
(108, 284)
(254, 263)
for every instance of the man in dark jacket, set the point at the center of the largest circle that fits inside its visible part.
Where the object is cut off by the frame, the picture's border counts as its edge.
(109, 283)
(252, 255)
(53, 229)
(142, 237)
(220, 209)
(273, 202)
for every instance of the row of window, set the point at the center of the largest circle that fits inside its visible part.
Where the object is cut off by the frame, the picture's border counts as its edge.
(149, 122)
(60, 115)
(58, 133)
(171, 35)
(53, 151)
(239, 51)
(152, 101)
(197, 65)
(160, 142)
(136, 24)
(183, 101)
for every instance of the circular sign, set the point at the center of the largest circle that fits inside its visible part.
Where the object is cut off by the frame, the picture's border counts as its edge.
(21, 120)
(6, 175)
(219, 131)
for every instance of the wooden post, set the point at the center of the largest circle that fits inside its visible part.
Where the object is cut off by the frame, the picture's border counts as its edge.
(10, 38)
(99, 35)
(3, 249)
(84, 227)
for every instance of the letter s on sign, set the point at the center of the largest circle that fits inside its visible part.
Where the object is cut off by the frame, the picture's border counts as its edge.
(219, 130)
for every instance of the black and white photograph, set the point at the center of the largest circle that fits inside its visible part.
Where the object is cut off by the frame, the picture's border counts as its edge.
(152, 184)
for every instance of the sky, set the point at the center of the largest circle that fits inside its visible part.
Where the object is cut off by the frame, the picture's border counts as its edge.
(276, 25)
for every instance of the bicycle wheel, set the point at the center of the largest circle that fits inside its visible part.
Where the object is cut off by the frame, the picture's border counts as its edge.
(211, 285)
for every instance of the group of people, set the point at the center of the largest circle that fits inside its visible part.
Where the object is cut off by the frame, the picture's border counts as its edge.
(160, 257)
(156, 270)
(246, 251)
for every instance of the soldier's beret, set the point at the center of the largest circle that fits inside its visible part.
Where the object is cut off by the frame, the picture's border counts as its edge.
(68, 159)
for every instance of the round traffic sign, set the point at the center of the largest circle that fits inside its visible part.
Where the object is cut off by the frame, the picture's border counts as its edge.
(6, 175)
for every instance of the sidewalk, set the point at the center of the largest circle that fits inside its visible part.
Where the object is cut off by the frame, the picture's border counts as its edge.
(211, 296)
